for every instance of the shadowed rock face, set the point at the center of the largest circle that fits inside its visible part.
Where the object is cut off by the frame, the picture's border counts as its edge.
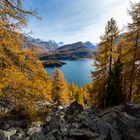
(73, 110)
(114, 123)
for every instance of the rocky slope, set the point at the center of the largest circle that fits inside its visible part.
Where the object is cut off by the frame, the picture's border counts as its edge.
(74, 123)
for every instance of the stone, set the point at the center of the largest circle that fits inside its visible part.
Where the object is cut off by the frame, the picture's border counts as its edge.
(49, 136)
(55, 123)
(38, 136)
(8, 133)
(113, 123)
(73, 110)
(17, 137)
(115, 132)
(45, 127)
(67, 138)
(82, 134)
(74, 106)
(2, 135)
(57, 134)
(129, 126)
(34, 129)
(133, 110)
(60, 107)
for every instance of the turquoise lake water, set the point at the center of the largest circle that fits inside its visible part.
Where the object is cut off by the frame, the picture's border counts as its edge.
(78, 71)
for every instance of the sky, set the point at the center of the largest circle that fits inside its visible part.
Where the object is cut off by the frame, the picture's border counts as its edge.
(70, 21)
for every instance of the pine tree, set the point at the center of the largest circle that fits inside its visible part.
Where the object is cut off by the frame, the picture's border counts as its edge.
(114, 85)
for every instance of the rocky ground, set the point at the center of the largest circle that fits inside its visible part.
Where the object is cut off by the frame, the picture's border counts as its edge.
(74, 123)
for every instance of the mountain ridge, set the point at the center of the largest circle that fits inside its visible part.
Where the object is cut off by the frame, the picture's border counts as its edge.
(55, 51)
(78, 50)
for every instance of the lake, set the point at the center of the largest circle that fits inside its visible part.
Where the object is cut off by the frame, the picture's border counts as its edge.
(78, 71)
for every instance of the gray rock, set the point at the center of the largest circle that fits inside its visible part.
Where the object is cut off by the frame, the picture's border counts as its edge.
(133, 110)
(60, 107)
(73, 110)
(2, 135)
(10, 132)
(34, 129)
(115, 132)
(114, 123)
(91, 122)
(129, 126)
(57, 134)
(45, 127)
(17, 137)
(38, 136)
(67, 138)
(74, 106)
(55, 123)
(49, 136)
(82, 134)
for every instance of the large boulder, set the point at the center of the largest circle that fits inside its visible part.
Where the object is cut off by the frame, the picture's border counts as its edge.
(73, 110)
(54, 123)
(133, 110)
(129, 126)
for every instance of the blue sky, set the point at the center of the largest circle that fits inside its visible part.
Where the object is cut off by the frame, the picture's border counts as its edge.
(75, 20)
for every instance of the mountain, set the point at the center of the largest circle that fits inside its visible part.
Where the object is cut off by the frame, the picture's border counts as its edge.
(51, 50)
(78, 46)
(91, 46)
(42, 46)
(61, 44)
(78, 50)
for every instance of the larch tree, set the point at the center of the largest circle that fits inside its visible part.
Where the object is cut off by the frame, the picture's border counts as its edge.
(22, 76)
(103, 62)
(133, 39)
(73, 88)
(80, 97)
(129, 48)
(60, 92)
